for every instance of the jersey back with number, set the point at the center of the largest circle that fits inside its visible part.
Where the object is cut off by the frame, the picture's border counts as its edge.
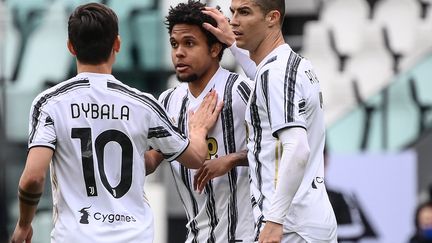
(99, 130)
(222, 213)
(287, 94)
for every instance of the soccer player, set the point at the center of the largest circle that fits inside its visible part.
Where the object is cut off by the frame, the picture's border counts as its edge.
(219, 210)
(286, 127)
(95, 130)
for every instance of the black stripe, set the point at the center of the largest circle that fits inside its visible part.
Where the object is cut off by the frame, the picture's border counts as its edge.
(167, 98)
(244, 91)
(265, 90)
(258, 227)
(44, 99)
(185, 173)
(211, 211)
(158, 132)
(149, 102)
(289, 86)
(227, 118)
(272, 59)
(256, 124)
(29, 194)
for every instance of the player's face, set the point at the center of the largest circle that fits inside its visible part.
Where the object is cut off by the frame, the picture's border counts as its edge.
(425, 218)
(248, 23)
(190, 52)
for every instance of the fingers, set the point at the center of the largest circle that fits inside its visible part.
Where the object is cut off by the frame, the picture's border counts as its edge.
(200, 179)
(210, 101)
(197, 175)
(214, 13)
(223, 30)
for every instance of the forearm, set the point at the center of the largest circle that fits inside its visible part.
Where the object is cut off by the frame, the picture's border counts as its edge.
(152, 160)
(238, 158)
(28, 196)
(243, 59)
(292, 168)
(198, 143)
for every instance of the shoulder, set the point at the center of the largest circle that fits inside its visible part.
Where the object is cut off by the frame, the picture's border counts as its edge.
(178, 91)
(52, 94)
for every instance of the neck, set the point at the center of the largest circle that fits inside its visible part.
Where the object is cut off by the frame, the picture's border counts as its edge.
(103, 68)
(271, 42)
(196, 87)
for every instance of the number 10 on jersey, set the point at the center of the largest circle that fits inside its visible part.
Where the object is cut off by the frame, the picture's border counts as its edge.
(84, 135)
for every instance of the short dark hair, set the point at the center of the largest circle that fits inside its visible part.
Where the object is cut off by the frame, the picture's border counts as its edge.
(191, 13)
(269, 5)
(92, 30)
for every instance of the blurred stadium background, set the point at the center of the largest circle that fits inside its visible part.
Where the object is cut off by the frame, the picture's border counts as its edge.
(373, 59)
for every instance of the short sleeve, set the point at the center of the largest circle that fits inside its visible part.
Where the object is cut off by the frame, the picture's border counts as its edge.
(286, 99)
(164, 136)
(41, 127)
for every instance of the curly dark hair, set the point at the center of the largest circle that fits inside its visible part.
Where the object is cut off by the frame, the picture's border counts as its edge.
(190, 13)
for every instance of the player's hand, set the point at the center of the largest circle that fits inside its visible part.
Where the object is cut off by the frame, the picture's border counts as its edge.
(207, 113)
(211, 169)
(272, 233)
(22, 234)
(223, 31)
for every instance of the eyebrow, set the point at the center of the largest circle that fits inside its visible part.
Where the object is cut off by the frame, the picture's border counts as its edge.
(240, 8)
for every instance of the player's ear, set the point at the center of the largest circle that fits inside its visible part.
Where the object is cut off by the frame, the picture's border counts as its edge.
(71, 48)
(117, 44)
(273, 18)
(215, 49)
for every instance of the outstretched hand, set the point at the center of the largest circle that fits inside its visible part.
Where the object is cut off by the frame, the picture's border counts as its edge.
(207, 113)
(209, 170)
(223, 30)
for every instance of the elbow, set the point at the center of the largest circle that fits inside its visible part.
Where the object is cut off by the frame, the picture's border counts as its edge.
(303, 154)
(33, 183)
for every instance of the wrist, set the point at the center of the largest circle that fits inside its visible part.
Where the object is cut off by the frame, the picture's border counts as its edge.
(275, 220)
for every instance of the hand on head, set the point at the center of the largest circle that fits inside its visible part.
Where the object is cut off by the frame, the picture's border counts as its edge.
(223, 31)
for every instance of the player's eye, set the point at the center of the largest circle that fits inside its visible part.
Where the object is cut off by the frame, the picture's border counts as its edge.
(174, 44)
(243, 12)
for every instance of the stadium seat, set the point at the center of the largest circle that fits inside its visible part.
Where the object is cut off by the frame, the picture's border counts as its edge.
(301, 7)
(345, 25)
(27, 15)
(422, 45)
(335, 86)
(127, 11)
(10, 40)
(166, 47)
(148, 32)
(399, 19)
(371, 66)
(402, 114)
(46, 59)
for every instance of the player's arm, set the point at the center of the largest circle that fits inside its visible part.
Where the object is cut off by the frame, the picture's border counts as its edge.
(200, 122)
(225, 35)
(30, 190)
(152, 160)
(218, 167)
(295, 155)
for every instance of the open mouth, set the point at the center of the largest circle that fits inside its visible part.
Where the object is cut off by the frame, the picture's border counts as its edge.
(181, 67)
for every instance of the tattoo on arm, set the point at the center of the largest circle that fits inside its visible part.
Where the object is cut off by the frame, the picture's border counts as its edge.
(28, 197)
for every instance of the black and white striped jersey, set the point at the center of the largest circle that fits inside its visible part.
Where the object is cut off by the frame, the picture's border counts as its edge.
(287, 94)
(222, 213)
(99, 129)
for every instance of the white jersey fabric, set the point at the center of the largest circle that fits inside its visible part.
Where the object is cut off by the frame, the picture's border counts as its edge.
(223, 212)
(287, 94)
(99, 130)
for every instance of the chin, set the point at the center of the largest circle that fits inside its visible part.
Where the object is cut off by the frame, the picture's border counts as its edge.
(187, 78)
